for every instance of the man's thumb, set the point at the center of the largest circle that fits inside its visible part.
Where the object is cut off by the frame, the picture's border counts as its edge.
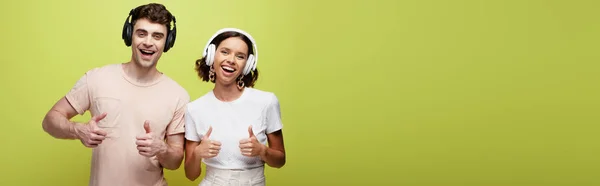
(147, 126)
(97, 118)
(250, 131)
(207, 135)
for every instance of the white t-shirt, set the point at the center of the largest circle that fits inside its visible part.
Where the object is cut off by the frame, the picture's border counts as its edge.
(230, 122)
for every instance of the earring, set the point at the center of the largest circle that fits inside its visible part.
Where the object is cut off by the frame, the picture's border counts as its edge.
(240, 83)
(211, 74)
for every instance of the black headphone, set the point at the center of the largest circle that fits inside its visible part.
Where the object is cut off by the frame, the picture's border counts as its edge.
(128, 31)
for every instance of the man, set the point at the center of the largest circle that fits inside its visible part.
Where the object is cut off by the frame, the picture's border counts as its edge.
(134, 108)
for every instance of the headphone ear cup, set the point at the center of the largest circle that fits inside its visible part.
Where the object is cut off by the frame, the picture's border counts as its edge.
(254, 62)
(210, 54)
(170, 39)
(168, 43)
(127, 33)
(249, 64)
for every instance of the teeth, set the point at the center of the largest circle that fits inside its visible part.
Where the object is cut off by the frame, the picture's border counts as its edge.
(147, 51)
(228, 68)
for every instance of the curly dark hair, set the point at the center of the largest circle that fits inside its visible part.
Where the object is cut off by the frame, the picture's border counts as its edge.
(203, 70)
(155, 13)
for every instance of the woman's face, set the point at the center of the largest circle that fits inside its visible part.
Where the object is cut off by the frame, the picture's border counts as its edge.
(230, 59)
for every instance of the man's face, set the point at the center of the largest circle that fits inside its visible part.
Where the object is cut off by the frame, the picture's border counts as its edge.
(148, 42)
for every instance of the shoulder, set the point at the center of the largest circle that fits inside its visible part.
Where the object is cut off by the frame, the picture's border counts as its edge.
(106, 69)
(263, 97)
(93, 75)
(200, 102)
(176, 88)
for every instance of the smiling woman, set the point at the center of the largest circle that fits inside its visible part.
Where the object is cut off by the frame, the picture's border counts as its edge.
(228, 128)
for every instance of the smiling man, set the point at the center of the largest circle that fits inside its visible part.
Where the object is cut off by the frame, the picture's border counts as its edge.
(137, 122)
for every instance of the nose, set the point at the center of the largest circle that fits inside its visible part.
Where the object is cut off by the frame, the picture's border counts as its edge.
(147, 42)
(230, 59)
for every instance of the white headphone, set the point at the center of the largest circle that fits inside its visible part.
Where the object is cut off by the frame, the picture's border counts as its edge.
(210, 49)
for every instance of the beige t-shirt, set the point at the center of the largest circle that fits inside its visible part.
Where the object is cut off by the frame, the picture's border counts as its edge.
(128, 104)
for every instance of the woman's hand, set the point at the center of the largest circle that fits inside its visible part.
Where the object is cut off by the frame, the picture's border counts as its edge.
(208, 148)
(251, 147)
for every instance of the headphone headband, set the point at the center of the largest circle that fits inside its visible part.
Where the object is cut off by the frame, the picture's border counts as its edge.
(255, 49)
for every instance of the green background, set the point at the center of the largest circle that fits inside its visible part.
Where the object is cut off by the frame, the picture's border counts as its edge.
(387, 92)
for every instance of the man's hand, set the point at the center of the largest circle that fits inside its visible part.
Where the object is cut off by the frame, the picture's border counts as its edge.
(251, 147)
(208, 148)
(148, 144)
(91, 135)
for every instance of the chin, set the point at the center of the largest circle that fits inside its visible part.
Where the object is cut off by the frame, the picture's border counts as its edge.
(144, 63)
(147, 65)
(226, 81)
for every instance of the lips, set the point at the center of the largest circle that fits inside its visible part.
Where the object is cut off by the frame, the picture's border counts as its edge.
(228, 70)
(147, 54)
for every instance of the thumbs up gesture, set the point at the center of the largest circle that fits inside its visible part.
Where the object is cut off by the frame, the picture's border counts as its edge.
(91, 135)
(208, 148)
(250, 146)
(148, 144)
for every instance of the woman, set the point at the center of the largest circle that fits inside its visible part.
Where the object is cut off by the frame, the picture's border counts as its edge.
(228, 128)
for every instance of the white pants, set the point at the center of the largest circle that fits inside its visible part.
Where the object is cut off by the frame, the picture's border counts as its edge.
(225, 177)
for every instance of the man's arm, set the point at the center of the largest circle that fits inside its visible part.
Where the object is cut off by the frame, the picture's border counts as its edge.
(57, 121)
(172, 156)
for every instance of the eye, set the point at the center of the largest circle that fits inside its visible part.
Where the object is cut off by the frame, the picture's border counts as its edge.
(141, 34)
(224, 52)
(157, 37)
(240, 57)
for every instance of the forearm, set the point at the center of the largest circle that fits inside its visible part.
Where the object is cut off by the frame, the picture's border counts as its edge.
(273, 157)
(193, 168)
(58, 126)
(171, 157)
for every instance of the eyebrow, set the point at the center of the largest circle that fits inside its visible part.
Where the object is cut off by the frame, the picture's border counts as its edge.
(155, 33)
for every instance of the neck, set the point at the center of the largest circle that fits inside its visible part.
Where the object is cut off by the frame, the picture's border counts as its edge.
(140, 74)
(227, 92)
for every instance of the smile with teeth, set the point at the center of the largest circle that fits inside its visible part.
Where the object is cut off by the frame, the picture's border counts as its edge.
(228, 69)
(146, 52)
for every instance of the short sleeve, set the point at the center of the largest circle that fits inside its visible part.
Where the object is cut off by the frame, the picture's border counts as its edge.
(79, 95)
(190, 127)
(177, 124)
(273, 115)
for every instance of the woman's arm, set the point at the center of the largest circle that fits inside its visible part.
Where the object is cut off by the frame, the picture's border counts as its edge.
(192, 164)
(274, 154)
(195, 151)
